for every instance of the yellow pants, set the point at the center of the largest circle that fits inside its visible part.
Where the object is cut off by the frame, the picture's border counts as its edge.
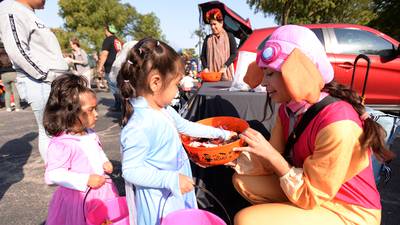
(272, 206)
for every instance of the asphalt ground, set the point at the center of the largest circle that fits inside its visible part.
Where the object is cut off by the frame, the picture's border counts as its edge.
(24, 196)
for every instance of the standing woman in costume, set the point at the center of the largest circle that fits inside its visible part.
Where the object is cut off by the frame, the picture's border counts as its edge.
(326, 177)
(219, 48)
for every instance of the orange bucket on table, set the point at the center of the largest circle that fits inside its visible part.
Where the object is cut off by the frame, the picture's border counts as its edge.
(219, 155)
(211, 76)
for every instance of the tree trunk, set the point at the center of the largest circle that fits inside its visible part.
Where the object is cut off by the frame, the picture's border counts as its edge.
(286, 12)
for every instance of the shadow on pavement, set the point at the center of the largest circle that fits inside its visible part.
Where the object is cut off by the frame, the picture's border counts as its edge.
(111, 112)
(13, 156)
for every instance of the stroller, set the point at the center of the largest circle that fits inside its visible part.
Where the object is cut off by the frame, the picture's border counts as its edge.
(389, 122)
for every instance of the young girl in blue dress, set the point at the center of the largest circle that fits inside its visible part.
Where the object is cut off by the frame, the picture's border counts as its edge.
(75, 158)
(153, 158)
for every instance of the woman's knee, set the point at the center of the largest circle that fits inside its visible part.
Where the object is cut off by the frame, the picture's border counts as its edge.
(251, 216)
(241, 217)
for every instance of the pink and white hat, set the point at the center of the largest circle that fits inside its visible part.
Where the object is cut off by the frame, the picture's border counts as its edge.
(284, 40)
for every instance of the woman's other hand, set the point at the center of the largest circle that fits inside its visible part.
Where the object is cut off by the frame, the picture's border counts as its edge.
(108, 167)
(185, 184)
(231, 163)
(95, 181)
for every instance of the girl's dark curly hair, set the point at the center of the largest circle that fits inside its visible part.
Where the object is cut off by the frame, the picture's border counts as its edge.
(63, 107)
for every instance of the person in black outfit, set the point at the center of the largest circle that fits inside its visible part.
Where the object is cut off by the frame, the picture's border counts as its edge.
(219, 48)
(111, 46)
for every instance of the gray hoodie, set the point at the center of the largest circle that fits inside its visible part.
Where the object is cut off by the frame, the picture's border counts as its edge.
(31, 46)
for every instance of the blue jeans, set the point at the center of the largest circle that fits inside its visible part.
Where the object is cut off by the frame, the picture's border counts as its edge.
(114, 90)
(36, 94)
(111, 84)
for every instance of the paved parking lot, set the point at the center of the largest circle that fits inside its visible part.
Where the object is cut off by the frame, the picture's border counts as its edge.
(24, 196)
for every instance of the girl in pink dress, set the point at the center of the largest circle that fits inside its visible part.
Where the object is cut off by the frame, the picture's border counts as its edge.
(76, 160)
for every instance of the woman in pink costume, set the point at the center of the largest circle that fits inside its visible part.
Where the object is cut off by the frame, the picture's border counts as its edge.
(75, 158)
(326, 177)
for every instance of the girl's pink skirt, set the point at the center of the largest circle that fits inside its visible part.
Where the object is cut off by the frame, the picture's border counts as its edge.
(66, 206)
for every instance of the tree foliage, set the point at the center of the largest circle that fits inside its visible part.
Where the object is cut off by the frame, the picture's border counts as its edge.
(201, 34)
(189, 53)
(143, 27)
(87, 18)
(387, 17)
(315, 11)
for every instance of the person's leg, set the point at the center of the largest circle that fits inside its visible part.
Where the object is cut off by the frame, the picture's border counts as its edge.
(286, 213)
(37, 94)
(259, 189)
(7, 79)
(15, 92)
(115, 92)
(112, 85)
(87, 75)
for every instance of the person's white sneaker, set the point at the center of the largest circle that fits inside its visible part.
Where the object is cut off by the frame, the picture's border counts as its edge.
(17, 110)
(8, 109)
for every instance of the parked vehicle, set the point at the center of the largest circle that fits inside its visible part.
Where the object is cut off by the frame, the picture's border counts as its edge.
(343, 42)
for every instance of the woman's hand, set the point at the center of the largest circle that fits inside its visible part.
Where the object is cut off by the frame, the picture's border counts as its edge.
(95, 181)
(223, 70)
(206, 70)
(256, 144)
(108, 167)
(185, 184)
(262, 148)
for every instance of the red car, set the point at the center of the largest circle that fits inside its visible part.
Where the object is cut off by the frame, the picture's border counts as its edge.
(343, 42)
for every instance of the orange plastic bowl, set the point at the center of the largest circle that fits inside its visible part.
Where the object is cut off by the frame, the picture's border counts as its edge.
(211, 76)
(217, 155)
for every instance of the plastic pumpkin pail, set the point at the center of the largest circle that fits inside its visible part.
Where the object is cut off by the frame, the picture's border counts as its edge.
(217, 155)
(211, 76)
(115, 211)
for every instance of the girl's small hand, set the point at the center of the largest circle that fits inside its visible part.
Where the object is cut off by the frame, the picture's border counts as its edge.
(256, 144)
(185, 184)
(95, 181)
(108, 167)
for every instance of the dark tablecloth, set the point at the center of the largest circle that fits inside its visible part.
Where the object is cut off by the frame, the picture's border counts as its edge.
(214, 99)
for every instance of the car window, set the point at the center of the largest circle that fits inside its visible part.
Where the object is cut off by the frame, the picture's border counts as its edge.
(231, 24)
(320, 36)
(353, 41)
(318, 33)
